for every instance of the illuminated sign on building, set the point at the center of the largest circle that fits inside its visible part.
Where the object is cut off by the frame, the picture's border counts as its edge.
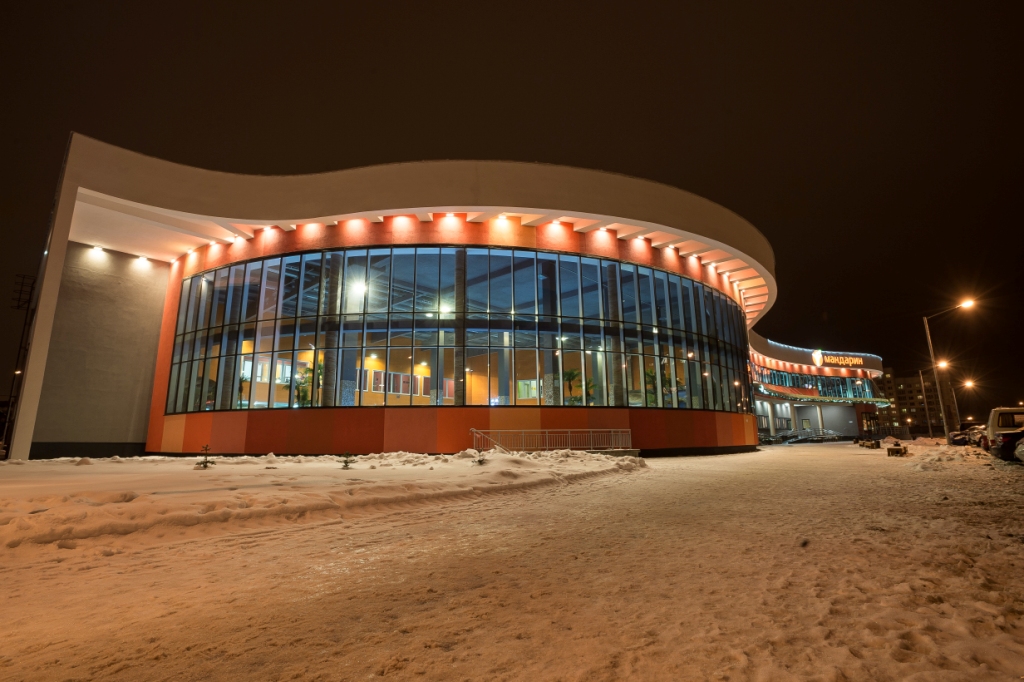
(842, 360)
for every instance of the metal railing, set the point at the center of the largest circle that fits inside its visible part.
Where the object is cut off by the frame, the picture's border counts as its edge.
(818, 435)
(553, 439)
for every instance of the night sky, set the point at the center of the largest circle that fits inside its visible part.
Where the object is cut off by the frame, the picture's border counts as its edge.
(877, 146)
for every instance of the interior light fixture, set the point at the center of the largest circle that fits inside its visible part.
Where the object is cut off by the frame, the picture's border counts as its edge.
(97, 248)
(423, 364)
(17, 371)
(143, 259)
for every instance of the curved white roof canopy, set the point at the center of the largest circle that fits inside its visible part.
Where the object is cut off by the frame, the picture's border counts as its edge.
(137, 204)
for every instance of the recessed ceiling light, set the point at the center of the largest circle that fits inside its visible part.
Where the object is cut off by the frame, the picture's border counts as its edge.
(97, 248)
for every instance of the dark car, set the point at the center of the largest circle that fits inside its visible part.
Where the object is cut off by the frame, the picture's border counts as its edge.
(1005, 443)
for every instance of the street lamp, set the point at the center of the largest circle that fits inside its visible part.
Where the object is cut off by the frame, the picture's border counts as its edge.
(935, 370)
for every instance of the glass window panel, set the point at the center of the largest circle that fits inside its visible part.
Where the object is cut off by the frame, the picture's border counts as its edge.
(178, 343)
(590, 287)
(401, 331)
(325, 379)
(231, 340)
(213, 341)
(501, 330)
(550, 377)
(226, 383)
(525, 276)
(644, 280)
(610, 290)
(428, 276)
(634, 380)
(526, 331)
(354, 291)
(376, 330)
(594, 386)
(281, 380)
(349, 374)
(687, 302)
(446, 328)
(378, 285)
(352, 331)
(285, 335)
(403, 282)
(476, 330)
(309, 298)
(527, 388)
(453, 269)
(569, 285)
(547, 284)
(616, 368)
(649, 337)
(205, 300)
(195, 385)
(243, 382)
(291, 267)
(476, 376)
(631, 338)
(652, 393)
(186, 286)
(220, 297)
(265, 336)
(199, 346)
(305, 333)
(271, 282)
(716, 382)
(374, 377)
(613, 336)
(261, 379)
(675, 302)
(424, 377)
(181, 392)
(477, 267)
(662, 317)
(548, 332)
(592, 339)
(571, 334)
(501, 281)
(172, 385)
(446, 376)
(334, 291)
(329, 333)
(193, 303)
(666, 381)
(426, 333)
(695, 386)
(501, 377)
(682, 395)
(305, 378)
(630, 311)
(251, 294)
(572, 377)
(236, 289)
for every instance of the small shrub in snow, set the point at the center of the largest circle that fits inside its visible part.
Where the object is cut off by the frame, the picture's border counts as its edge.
(348, 461)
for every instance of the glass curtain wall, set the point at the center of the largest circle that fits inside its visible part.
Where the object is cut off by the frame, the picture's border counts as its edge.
(454, 326)
(832, 387)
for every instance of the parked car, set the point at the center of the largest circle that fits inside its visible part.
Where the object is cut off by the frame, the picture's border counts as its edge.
(974, 433)
(1001, 422)
(958, 438)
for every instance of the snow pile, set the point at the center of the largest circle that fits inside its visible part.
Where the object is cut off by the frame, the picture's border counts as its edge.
(931, 458)
(48, 501)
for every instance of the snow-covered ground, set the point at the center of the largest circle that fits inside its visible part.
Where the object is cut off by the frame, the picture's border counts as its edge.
(825, 562)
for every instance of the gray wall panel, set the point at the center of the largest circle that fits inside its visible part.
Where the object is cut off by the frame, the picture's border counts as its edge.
(99, 371)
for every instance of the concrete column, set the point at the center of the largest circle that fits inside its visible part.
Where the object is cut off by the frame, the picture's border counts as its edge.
(821, 419)
(771, 417)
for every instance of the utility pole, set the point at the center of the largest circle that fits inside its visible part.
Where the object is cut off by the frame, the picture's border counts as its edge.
(24, 285)
(924, 394)
(935, 372)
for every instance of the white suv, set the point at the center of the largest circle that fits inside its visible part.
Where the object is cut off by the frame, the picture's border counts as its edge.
(1003, 420)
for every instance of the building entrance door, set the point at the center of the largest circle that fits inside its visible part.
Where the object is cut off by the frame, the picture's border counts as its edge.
(805, 424)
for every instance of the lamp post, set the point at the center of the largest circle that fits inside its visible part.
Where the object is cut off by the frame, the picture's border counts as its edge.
(935, 370)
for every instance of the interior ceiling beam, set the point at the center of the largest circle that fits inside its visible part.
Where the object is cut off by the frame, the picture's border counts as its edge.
(481, 217)
(542, 219)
